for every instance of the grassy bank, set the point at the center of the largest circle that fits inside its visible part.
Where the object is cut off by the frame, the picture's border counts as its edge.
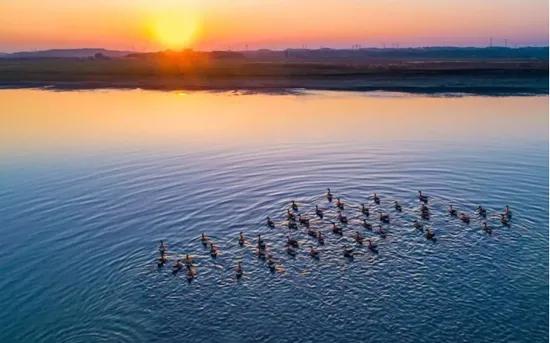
(502, 76)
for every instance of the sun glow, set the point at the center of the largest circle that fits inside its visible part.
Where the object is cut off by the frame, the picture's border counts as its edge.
(175, 30)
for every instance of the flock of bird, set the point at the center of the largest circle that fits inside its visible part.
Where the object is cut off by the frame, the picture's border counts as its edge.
(295, 220)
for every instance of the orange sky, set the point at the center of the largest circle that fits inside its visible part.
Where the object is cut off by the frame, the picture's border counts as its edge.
(208, 24)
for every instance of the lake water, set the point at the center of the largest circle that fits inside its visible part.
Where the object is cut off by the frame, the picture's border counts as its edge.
(91, 181)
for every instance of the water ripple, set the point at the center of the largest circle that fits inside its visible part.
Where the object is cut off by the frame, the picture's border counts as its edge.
(86, 241)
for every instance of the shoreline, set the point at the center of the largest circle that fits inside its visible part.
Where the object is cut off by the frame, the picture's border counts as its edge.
(467, 90)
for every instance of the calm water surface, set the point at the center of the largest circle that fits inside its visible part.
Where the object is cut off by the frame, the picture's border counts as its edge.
(91, 181)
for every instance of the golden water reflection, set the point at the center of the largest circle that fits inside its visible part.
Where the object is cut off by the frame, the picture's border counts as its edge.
(38, 120)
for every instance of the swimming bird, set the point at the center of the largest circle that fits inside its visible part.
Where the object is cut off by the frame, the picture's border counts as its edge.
(270, 222)
(261, 253)
(318, 212)
(452, 211)
(358, 238)
(261, 243)
(342, 218)
(464, 217)
(190, 273)
(365, 210)
(204, 239)
(241, 239)
(348, 252)
(311, 232)
(162, 248)
(423, 198)
(239, 270)
(188, 260)
(487, 228)
(367, 226)
(424, 208)
(320, 238)
(177, 267)
(304, 221)
(339, 203)
(504, 219)
(372, 246)
(384, 218)
(397, 206)
(336, 229)
(329, 195)
(292, 242)
(213, 250)
(292, 225)
(507, 212)
(381, 232)
(290, 215)
(430, 235)
(481, 211)
(162, 260)
(294, 206)
(271, 263)
(313, 252)
(376, 199)
(417, 225)
(425, 212)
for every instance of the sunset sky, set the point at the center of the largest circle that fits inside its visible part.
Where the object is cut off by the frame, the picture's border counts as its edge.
(237, 24)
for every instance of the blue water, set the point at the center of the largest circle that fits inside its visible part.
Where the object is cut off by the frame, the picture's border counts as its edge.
(80, 226)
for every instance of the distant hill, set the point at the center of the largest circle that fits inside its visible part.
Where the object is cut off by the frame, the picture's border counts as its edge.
(67, 53)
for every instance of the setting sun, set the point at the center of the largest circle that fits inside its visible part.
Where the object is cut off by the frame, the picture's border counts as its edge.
(175, 30)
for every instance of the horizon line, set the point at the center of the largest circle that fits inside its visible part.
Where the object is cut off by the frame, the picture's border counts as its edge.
(358, 47)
